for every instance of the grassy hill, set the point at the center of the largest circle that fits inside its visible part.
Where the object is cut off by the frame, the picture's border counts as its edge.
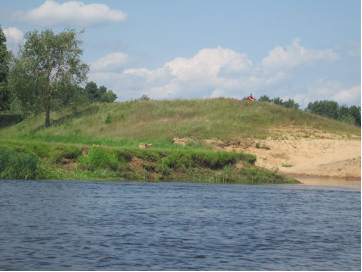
(157, 121)
(102, 141)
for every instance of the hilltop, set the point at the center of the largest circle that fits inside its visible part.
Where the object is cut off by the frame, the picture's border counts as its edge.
(199, 119)
(291, 141)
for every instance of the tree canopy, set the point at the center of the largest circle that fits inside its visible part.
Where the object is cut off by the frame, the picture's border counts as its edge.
(100, 94)
(331, 109)
(5, 95)
(47, 67)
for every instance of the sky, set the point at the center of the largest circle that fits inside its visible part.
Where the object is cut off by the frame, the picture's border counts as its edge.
(306, 50)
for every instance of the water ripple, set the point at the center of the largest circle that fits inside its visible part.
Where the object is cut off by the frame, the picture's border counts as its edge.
(48, 225)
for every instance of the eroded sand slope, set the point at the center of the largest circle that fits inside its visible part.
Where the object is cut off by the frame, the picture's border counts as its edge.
(303, 152)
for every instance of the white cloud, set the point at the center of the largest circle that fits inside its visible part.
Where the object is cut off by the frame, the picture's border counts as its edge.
(293, 55)
(215, 72)
(207, 63)
(72, 13)
(333, 90)
(351, 96)
(14, 37)
(111, 62)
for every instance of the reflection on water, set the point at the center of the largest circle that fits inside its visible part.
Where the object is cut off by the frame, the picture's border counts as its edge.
(341, 182)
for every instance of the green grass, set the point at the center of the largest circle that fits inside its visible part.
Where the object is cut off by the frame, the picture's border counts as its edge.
(31, 160)
(15, 165)
(158, 122)
(102, 141)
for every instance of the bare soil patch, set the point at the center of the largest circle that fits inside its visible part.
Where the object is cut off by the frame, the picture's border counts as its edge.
(303, 152)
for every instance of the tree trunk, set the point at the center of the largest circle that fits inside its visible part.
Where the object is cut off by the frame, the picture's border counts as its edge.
(47, 110)
(47, 118)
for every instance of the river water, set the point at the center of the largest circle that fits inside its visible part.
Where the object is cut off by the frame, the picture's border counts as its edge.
(85, 225)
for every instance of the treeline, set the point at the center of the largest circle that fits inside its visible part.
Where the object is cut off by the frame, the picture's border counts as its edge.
(47, 74)
(326, 108)
(331, 109)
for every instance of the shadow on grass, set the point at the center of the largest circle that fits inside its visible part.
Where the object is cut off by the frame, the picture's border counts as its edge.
(62, 120)
(7, 120)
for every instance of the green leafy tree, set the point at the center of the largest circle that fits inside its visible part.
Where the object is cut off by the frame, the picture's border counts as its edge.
(102, 90)
(100, 94)
(324, 108)
(5, 95)
(290, 103)
(91, 91)
(355, 111)
(46, 63)
(277, 101)
(265, 98)
(108, 97)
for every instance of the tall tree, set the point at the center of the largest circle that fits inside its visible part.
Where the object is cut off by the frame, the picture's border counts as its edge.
(91, 91)
(325, 108)
(4, 71)
(46, 63)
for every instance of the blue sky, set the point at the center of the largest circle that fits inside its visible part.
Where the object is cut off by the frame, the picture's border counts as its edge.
(300, 49)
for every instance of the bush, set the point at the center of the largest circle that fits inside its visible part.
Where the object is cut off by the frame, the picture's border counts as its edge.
(99, 158)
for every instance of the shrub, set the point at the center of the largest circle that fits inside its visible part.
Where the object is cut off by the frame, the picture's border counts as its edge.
(99, 158)
(14, 165)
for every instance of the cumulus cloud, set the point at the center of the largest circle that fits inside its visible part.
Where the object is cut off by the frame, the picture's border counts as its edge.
(72, 13)
(350, 96)
(14, 38)
(335, 90)
(215, 72)
(281, 58)
(111, 62)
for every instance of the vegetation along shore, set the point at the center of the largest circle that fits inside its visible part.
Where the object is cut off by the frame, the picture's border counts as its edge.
(201, 140)
(86, 135)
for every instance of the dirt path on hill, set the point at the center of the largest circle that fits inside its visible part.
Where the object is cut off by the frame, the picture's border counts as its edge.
(303, 153)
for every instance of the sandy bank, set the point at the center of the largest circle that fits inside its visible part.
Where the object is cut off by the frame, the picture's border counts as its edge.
(304, 153)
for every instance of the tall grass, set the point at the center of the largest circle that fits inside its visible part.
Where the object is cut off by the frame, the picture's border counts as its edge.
(32, 160)
(14, 165)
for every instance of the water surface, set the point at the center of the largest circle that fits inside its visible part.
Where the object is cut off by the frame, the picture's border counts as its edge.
(84, 225)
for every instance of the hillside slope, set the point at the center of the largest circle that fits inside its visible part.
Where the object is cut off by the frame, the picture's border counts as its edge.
(293, 141)
(222, 119)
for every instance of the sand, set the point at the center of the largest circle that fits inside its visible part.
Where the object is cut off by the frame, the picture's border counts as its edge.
(303, 153)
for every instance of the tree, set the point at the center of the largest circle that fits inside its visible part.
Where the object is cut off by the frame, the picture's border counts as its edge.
(91, 91)
(100, 94)
(325, 108)
(290, 103)
(5, 95)
(265, 98)
(46, 63)
(108, 97)
(277, 101)
(355, 111)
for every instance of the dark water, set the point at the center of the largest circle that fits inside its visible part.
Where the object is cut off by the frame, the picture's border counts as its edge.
(62, 225)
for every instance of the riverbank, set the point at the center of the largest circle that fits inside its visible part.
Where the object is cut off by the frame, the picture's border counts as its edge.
(305, 153)
(283, 141)
(35, 160)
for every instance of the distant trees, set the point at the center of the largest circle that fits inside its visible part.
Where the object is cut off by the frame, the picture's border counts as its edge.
(331, 109)
(101, 94)
(5, 95)
(290, 103)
